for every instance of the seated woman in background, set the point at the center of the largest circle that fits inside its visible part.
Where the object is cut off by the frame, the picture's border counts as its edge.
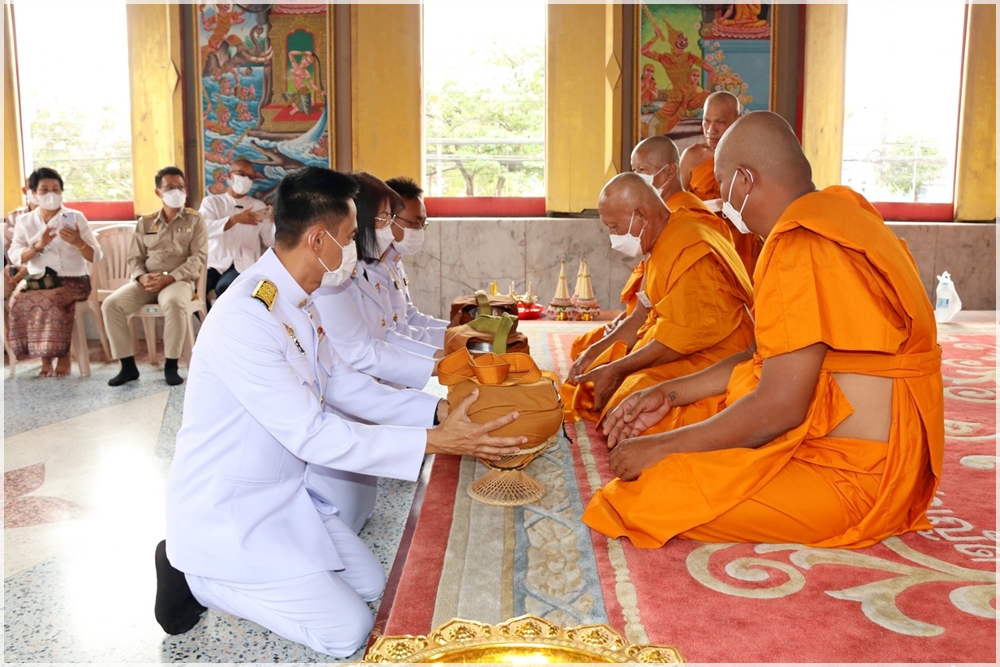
(56, 244)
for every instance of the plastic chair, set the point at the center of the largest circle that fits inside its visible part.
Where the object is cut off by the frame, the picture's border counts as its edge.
(150, 312)
(6, 345)
(112, 271)
(78, 343)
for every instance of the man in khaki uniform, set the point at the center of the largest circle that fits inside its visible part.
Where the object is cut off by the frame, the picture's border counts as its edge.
(167, 257)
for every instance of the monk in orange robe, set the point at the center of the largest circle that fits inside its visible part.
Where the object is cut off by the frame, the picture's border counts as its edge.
(832, 427)
(698, 169)
(695, 290)
(651, 159)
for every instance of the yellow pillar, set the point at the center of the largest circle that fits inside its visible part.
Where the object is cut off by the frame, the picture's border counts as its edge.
(157, 132)
(387, 90)
(823, 98)
(613, 54)
(13, 179)
(976, 163)
(583, 104)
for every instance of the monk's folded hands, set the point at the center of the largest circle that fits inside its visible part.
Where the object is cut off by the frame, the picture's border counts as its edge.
(637, 413)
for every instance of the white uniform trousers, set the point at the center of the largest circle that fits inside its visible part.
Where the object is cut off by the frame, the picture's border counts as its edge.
(326, 611)
(350, 496)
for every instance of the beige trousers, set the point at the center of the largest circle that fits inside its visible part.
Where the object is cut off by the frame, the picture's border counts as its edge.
(127, 299)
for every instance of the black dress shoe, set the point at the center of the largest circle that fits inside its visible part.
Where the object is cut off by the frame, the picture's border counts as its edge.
(176, 609)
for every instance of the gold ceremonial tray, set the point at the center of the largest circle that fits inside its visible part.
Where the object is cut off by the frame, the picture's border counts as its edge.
(526, 639)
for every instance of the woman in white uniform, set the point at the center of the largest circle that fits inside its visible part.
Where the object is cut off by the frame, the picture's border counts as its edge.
(243, 535)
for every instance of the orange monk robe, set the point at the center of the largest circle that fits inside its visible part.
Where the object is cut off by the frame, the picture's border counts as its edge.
(831, 272)
(699, 295)
(634, 284)
(629, 298)
(704, 186)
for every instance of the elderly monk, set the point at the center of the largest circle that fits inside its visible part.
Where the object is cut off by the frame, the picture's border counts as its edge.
(695, 291)
(655, 161)
(698, 168)
(832, 431)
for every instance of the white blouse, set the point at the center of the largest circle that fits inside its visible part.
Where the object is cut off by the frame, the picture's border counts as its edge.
(62, 257)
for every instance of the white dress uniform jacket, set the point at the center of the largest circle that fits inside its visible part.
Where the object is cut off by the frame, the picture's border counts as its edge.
(403, 316)
(370, 292)
(240, 245)
(254, 416)
(349, 332)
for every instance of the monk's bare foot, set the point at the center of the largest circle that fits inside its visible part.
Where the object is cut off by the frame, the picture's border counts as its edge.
(63, 366)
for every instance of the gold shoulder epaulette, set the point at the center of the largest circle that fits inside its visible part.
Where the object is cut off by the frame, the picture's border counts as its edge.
(265, 292)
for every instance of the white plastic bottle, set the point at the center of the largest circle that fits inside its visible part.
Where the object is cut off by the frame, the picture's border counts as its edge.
(947, 303)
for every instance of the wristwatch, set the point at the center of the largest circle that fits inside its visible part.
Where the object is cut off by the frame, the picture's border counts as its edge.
(38, 251)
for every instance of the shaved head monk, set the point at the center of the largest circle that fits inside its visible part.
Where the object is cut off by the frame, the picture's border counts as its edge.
(722, 109)
(654, 160)
(831, 431)
(694, 296)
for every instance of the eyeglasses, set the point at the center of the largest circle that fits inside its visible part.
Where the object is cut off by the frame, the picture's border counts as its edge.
(384, 220)
(412, 223)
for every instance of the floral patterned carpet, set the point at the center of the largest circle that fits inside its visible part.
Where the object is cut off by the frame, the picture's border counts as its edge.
(928, 596)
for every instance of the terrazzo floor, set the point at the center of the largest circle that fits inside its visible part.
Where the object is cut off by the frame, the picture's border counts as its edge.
(85, 468)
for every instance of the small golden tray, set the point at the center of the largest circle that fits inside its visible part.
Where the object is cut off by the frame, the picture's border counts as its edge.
(526, 639)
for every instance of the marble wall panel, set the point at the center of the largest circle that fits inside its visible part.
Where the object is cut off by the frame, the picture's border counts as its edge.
(478, 251)
(424, 272)
(464, 254)
(968, 252)
(551, 240)
(922, 241)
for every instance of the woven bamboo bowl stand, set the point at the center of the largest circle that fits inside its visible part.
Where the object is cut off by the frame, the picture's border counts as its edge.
(507, 484)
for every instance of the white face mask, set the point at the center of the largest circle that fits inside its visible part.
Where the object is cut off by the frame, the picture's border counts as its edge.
(31, 198)
(734, 216)
(348, 258)
(174, 198)
(241, 184)
(384, 238)
(626, 244)
(650, 177)
(413, 240)
(50, 201)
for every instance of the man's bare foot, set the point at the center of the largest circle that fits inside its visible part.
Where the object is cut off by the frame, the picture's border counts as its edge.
(63, 366)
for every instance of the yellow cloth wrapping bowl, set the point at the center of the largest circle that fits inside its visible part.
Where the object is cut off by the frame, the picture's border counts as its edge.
(462, 307)
(507, 383)
(459, 337)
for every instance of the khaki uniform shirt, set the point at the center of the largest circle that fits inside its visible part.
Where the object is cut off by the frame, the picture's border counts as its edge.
(178, 248)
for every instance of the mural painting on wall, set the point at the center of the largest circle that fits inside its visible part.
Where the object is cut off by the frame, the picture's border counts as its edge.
(263, 92)
(686, 52)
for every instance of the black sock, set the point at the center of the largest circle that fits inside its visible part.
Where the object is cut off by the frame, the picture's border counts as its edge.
(176, 608)
(170, 372)
(128, 372)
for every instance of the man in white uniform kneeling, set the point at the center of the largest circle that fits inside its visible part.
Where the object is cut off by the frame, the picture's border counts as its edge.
(243, 535)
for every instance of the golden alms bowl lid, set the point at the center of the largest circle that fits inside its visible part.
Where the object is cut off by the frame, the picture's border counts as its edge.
(526, 639)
